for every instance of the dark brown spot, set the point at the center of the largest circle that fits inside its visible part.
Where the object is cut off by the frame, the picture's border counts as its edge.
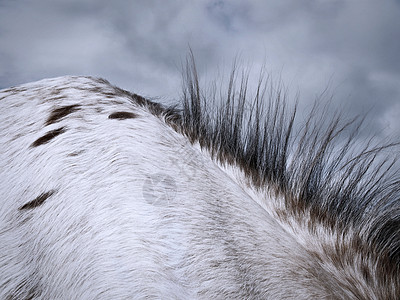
(47, 137)
(76, 153)
(37, 201)
(61, 112)
(121, 115)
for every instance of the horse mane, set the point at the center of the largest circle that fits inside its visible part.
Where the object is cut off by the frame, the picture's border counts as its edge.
(319, 169)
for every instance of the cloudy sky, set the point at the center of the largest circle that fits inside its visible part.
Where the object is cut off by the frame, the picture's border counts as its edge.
(350, 47)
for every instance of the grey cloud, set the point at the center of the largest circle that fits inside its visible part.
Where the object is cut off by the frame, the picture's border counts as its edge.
(140, 45)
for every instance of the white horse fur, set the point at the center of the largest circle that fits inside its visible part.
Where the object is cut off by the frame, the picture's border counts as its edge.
(106, 195)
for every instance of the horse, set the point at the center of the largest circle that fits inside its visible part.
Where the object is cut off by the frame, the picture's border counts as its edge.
(108, 195)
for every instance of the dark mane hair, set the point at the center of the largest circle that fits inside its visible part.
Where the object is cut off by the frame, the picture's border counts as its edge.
(347, 189)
